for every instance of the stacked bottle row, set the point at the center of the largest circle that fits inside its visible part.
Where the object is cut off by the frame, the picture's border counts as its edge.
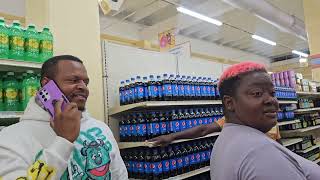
(25, 44)
(285, 93)
(284, 79)
(16, 90)
(167, 88)
(162, 163)
(286, 112)
(142, 126)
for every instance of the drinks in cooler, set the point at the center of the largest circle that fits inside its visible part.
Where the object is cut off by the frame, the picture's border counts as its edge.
(16, 41)
(10, 86)
(46, 44)
(32, 44)
(29, 88)
(4, 39)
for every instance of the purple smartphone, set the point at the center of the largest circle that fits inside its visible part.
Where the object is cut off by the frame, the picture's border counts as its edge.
(49, 94)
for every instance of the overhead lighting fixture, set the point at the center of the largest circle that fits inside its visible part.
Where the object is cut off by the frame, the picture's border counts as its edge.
(259, 38)
(303, 60)
(300, 53)
(199, 16)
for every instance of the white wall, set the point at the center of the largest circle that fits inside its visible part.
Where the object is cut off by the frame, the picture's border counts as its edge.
(13, 7)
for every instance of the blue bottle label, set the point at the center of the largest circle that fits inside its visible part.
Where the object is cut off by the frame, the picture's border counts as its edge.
(213, 91)
(168, 127)
(142, 129)
(203, 156)
(158, 168)
(149, 129)
(129, 132)
(175, 90)
(173, 164)
(210, 120)
(167, 90)
(208, 91)
(133, 129)
(192, 159)
(163, 128)
(121, 129)
(130, 165)
(187, 90)
(153, 167)
(198, 91)
(160, 92)
(131, 93)
(134, 167)
(140, 167)
(147, 167)
(217, 92)
(195, 122)
(203, 91)
(183, 125)
(127, 95)
(205, 120)
(139, 92)
(165, 166)
(155, 129)
(121, 95)
(193, 90)
(171, 126)
(189, 123)
(198, 157)
(208, 154)
(179, 162)
(145, 92)
(200, 122)
(153, 91)
(176, 126)
(186, 161)
(181, 90)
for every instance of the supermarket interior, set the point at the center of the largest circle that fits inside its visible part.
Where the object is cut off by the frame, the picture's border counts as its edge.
(154, 68)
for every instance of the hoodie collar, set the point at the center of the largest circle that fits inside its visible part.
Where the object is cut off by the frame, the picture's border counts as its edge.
(36, 113)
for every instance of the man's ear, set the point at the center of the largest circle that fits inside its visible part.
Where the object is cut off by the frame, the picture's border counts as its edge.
(228, 103)
(44, 81)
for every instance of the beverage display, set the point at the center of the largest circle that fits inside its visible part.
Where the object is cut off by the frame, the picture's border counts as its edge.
(29, 88)
(4, 39)
(168, 88)
(31, 44)
(16, 41)
(46, 44)
(146, 125)
(165, 162)
(11, 99)
(1, 93)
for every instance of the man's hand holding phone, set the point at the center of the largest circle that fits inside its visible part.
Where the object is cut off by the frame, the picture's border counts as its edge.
(66, 123)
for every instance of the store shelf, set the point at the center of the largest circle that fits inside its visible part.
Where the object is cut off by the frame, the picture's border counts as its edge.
(125, 145)
(10, 115)
(9, 65)
(287, 102)
(301, 93)
(288, 122)
(191, 173)
(290, 141)
(154, 104)
(317, 161)
(288, 132)
(308, 149)
(307, 110)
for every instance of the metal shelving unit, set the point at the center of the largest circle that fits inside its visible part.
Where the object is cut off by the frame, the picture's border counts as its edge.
(158, 104)
(287, 102)
(302, 93)
(300, 111)
(18, 65)
(290, 141)
(302, 130)
(288, 122)
(308, 149)
(125, 145)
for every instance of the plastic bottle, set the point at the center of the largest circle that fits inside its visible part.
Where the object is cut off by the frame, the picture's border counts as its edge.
(181, 88)
(145, 88)
(20, 87)
(131, 90)
(16, 41)
(11, 101)
(1, 93)
(147, 164)
(141, 157)
(203, 155)
(29, 88)
(173, 162)
(139, 90)
(198, 88)
(156, 160)
(141, 127)
(204, 93)
(168, 122)
(193, 90)
(188, 119)
(186, 161)
(121, 93)
(122, 130)
(128, 128)
(135, 162)
(179, 160)
(175, 88)
(152, 89)
(182, 120)
(4, 40)
(155, 126)
(197, 155)
(208, 87)
(32, 44)
(187, 88)
(46, 44)
(165, 164)
(130, 163)
(217, 89)
(175, 122)
(163, 123)
(192, 157)
(166, 88)
(127, 92)
(213, 90)
(159, 86)
(133, 128)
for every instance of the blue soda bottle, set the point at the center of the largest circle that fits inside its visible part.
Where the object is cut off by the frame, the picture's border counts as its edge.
(121, 93)
(159, 86)
(166, 88)
(175, 88)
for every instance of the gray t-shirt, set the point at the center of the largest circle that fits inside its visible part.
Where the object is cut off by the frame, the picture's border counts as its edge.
(244, 153)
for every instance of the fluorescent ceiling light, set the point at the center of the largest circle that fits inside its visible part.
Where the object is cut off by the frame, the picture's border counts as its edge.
(303, 60)
(199, 16)
(300, 53)
(264, 40)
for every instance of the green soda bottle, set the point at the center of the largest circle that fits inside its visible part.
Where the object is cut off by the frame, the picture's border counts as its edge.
(29, 88)
(1, 93)
(4, 40)
(16, 41)
(32, 44)
(46, 44)
(19, 80)
(11, 102)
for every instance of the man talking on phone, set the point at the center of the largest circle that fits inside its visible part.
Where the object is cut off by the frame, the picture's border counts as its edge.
(70, 145)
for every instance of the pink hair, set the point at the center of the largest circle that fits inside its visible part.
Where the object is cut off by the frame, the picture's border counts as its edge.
(240, 68)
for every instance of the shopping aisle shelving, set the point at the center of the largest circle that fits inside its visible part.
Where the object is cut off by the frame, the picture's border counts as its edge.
(16, 65)
(10, 114)
(290, 141)
(288, 122)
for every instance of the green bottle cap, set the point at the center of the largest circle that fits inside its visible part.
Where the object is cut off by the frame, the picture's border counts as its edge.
(16, 22)
(30, 72)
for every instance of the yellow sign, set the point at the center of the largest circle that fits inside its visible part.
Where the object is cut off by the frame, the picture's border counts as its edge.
(167, 40)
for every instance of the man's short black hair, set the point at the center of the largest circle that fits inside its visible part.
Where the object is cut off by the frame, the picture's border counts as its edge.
(49, 67)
